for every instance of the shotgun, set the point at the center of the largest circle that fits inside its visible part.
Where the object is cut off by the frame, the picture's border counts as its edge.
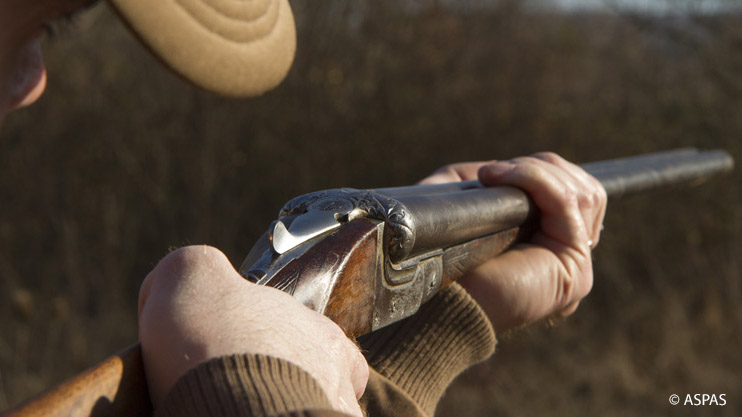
(368, 258)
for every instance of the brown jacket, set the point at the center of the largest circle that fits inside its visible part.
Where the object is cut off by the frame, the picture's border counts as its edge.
(412, 363)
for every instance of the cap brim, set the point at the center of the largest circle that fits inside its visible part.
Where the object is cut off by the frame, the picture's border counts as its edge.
(231, 47)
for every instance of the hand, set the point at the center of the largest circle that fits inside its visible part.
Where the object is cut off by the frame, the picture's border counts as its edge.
(194, 306)
(550, 274)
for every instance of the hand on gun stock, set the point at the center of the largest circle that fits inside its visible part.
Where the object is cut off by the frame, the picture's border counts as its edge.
(550, 273)
(194, 306)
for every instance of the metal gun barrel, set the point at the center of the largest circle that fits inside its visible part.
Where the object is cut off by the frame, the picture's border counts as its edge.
(641, 173)
(447, 214)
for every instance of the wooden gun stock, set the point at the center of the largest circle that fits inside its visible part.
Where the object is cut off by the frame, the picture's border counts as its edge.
(114, 387)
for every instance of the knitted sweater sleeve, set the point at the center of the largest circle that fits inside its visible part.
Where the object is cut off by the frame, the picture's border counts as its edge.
(417, 358)
(412, 363)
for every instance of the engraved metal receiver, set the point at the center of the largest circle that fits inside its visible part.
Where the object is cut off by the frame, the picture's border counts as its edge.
(401, 282)
(368, 258)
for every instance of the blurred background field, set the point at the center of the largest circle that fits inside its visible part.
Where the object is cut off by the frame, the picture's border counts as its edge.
(121, 161)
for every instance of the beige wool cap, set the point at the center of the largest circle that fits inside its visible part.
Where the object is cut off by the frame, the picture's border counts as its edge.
(236, 48)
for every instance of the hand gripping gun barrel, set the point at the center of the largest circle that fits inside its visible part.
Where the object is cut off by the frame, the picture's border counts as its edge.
(368, 258)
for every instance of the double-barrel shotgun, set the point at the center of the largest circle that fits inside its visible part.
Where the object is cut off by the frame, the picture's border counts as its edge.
(368, 258)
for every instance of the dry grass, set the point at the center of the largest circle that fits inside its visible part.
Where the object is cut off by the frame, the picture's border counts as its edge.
(121, 161)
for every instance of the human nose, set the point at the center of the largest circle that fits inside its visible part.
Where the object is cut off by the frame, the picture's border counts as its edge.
(29, 76)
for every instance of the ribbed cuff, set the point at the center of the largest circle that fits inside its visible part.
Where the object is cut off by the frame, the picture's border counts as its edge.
(243, 385)
(424, 353)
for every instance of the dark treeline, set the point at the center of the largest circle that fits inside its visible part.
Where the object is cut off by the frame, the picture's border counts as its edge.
(122, 161)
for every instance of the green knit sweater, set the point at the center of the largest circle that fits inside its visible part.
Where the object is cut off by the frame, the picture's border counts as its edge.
(412, 363)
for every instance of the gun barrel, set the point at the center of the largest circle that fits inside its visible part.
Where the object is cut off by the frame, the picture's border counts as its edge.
(645, 172)
(447, 214)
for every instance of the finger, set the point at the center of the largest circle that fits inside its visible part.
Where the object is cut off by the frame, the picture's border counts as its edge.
(578, 185)
(185, 279)
(359, 372)
(347, 402)
(453, 173)
(351, 369)
(551, 189)
(591, 195)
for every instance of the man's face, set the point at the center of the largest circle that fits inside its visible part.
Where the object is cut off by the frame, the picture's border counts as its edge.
(22, 72)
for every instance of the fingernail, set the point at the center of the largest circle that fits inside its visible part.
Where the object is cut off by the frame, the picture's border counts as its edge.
(497, 169)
